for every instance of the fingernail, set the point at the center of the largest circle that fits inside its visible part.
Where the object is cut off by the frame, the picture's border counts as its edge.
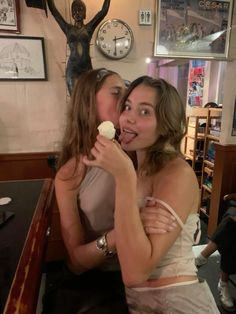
(173, 218)
(174, 225)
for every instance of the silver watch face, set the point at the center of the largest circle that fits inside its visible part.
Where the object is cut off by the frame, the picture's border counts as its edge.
(101, 243)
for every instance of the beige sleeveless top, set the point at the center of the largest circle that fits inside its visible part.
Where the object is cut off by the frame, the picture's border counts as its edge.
(96, 201)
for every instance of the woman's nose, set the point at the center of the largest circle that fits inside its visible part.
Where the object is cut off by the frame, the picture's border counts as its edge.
(131, 119)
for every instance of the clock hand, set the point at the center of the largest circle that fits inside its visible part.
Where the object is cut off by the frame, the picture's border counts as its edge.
(120, 37)
(115, 39)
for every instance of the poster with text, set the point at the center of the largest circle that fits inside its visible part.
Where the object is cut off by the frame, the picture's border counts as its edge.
(193, 29)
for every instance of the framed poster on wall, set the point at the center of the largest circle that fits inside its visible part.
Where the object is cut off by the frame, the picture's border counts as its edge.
(193, 29)
(22, 58)
(10, 16)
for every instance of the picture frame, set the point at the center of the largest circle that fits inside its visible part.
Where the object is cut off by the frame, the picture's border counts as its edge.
(10, 16)
(193, 29)
(22, 58)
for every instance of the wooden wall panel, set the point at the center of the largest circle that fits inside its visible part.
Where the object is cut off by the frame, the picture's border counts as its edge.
(224, 182)
(24, 166)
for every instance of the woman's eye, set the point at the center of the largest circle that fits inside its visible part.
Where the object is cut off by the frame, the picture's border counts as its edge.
(116, 92)
(126, 107)
(144, 112)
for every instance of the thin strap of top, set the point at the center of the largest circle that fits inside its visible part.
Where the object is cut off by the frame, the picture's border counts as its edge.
(171, 210)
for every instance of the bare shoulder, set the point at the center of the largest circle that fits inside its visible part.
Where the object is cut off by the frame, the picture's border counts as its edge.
(177, 184)
(72, 171)
(177, 170)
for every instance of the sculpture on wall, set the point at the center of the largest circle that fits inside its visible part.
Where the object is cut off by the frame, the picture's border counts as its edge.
(78, 37)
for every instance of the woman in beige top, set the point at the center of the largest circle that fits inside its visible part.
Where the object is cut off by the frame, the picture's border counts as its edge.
(85, 199)
(158, 270)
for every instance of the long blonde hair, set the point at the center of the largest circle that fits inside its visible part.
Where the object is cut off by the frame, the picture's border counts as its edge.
(82, 118)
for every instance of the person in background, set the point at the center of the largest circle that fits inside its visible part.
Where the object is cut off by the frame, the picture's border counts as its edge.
(85, 196)
(223, 240)
(158, 270)
(211, 104)
(78, 37)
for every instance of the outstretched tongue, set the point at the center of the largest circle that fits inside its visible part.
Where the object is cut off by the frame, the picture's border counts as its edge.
(127, 136)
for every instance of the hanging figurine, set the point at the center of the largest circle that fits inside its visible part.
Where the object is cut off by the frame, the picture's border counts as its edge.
(78, 37)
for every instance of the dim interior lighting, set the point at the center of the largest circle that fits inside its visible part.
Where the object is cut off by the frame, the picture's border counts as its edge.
(148, 60)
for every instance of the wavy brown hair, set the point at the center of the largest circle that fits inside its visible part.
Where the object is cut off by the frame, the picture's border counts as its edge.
(171, 123)
(82, 118)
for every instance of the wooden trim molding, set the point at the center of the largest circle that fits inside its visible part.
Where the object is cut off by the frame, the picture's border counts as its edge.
(23, 295)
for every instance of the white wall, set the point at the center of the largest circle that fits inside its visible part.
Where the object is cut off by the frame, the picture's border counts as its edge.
(32, 114)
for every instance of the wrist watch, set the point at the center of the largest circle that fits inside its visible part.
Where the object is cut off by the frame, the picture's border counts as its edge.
(102, 245)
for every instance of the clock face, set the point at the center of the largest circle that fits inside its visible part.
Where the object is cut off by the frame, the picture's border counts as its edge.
(115, 39)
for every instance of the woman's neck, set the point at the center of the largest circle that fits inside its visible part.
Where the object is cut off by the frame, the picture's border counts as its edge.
(140, 158)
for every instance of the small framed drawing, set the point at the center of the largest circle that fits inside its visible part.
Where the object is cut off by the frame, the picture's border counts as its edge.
(22, 58)
(193, 29)
(10, 16)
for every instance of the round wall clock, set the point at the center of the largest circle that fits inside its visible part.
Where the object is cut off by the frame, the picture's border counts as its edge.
(115, 39)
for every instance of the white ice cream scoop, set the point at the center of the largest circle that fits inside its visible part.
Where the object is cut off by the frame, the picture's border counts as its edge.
(107, 129)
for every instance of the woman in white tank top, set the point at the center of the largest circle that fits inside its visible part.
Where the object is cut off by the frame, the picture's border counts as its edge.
(158, 270)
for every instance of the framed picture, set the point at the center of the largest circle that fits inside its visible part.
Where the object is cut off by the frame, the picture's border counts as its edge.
(22, 58)
(193, 29)
(10, 16)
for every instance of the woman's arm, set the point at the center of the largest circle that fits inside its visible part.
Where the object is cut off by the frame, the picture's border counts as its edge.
(138, 253)
(58, 17)
(82, 255)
